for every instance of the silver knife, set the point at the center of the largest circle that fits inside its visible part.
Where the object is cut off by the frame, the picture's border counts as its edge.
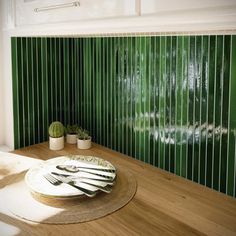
(74, 169)
(110, 182)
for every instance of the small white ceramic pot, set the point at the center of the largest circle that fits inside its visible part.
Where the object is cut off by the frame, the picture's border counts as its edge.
(71, 138)
(56, 143)
(84, 144)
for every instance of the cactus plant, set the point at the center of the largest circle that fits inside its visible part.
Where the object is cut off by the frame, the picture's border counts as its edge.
(83, 139)
(71, 133)
(71, 129)
(83, 134)
(56, 129)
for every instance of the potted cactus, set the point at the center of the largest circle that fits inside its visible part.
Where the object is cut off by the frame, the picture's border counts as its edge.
(56, 136)
(83, 139)
(71, 133)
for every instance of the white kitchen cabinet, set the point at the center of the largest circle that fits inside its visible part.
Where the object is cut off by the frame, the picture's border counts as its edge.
(25, 13)
(164, 6)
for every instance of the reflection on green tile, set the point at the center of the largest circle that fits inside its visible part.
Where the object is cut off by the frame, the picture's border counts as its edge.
(167, 101)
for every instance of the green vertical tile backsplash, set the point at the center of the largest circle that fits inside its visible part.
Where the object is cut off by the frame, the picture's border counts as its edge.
(165, 100)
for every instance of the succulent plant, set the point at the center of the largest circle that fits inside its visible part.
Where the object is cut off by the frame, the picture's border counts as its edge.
(71, 129)
(83, 134)
(56, 129)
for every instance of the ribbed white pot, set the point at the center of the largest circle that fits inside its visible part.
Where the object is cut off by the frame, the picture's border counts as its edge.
(71, 138)
(84, 144)
(56, 143)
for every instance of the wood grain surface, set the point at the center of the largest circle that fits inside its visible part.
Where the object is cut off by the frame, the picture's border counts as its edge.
(164, 204)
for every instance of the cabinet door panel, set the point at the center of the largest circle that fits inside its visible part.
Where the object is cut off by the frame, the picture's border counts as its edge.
(157, 6)
(88, 10)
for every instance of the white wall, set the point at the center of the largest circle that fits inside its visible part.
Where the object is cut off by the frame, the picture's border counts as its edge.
(6, 108)
(7, 93)
(1, 85)
(160, 16)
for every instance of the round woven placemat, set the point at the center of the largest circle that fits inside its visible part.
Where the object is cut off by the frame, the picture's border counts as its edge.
(39, 209)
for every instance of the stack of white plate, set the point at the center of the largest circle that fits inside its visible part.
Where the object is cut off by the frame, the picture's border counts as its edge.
(86, 172)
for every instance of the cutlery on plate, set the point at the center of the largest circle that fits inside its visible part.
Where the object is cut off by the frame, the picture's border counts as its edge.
(84, 178)
(74, 169)
(106, 189)
(59, 180)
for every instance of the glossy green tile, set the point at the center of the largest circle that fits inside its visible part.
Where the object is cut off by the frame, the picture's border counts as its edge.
(231, 121)
(15, 91)
(162, 100)
(179, 103)
(167, 101)
(203, 110)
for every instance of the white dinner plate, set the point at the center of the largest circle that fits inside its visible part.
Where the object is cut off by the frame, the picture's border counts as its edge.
(37, 183)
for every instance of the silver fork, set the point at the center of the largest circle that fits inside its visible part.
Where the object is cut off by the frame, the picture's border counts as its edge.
(106, 189)
(57, 181)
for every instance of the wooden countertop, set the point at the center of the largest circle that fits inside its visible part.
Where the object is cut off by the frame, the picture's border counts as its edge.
(164, 204)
